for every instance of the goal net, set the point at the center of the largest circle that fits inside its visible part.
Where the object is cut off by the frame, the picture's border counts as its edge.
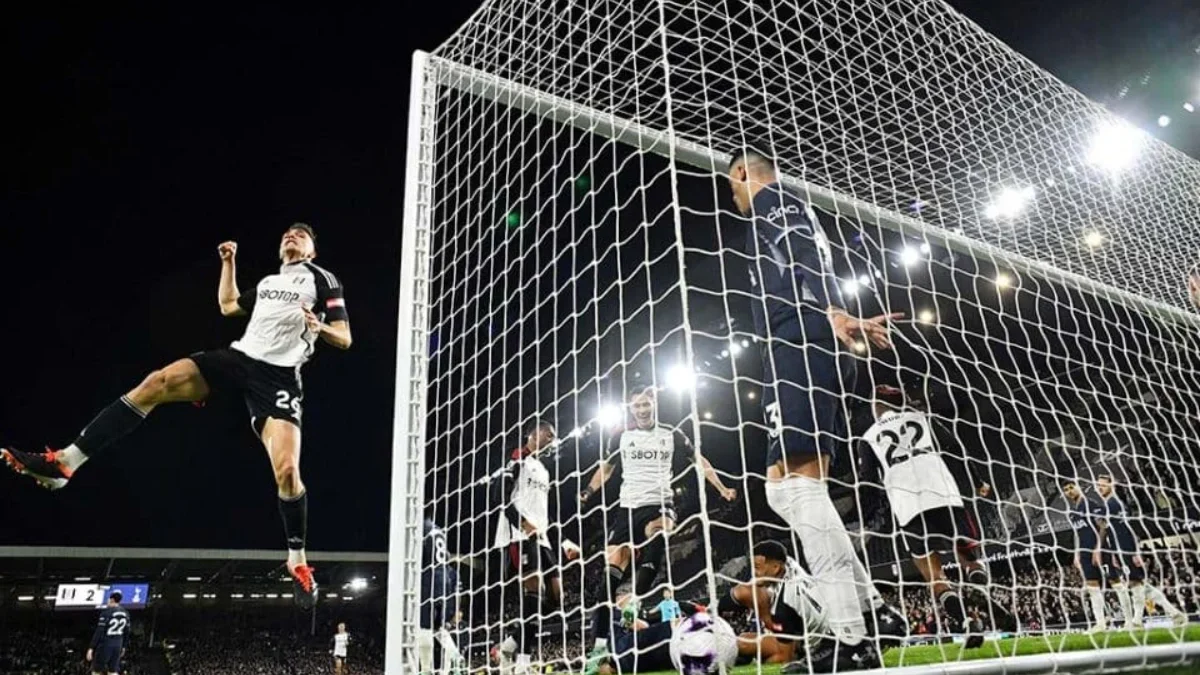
(583, 311)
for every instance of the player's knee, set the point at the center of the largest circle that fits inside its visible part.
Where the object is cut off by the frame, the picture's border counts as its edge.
(287, 476)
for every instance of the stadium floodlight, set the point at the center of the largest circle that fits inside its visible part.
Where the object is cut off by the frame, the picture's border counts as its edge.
(681, 378)
(1115, 147)
(1010, 203)
(850, 286)
(909, 256)
(926, 316)
(735, 347)
(1189, 107)
(1093, 239)
(925, 248)
(752, 394)
(609, 416)
(745, 343)
(865, 279)
(724, 353)
(1003, 280)
(189, 596)
(24, 598)
(357, 584)
(577, 432)
(708, 414)
(1164, 120)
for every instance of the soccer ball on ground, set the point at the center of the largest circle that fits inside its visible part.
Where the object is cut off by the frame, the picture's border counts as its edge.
(702, 643)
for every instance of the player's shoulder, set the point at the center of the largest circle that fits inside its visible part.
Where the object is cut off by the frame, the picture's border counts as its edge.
(321, 274)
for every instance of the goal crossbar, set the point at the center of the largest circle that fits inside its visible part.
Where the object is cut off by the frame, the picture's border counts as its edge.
(441, 71)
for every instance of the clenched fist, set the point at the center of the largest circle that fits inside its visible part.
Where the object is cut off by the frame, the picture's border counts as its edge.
(227, 250)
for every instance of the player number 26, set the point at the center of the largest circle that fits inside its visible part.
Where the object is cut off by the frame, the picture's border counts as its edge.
(286, 401)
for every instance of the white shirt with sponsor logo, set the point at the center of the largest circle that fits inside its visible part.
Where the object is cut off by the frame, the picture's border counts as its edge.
(915, 476)
(340, 642)
(277, 333)
(530, 500)
(648, 458)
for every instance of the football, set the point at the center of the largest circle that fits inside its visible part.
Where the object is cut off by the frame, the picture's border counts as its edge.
(702, 643)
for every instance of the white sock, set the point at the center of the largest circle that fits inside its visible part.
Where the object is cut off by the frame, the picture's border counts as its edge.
(1139, 603)
(295, 557)
(425, 649)
(1123, 599)
(1096, 596)
(509, 645)
(524, 663)
(804, 504)
(868, 596)
(601, 643)
(1160, 600)
(72, 457)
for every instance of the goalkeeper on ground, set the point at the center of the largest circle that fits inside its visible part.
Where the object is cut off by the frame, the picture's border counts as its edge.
(799, 316)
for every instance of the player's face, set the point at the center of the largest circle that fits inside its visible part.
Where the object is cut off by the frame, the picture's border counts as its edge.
(767, 569)
(1071, 490)
(739, 181)
(642, 407)
(1104, 487)
(296, 245)
(540, 438)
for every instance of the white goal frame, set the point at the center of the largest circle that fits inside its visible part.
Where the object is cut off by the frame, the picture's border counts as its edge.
(429, 73)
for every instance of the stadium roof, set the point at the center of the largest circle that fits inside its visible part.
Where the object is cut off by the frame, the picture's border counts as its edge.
(38, 564)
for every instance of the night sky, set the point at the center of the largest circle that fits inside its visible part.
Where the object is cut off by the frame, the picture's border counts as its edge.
(139, 139)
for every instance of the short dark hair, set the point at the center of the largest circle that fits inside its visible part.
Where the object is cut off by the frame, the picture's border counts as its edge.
(1070, 481)
(539, 424)
(306, 228)
(771, 550)
(750, 155)
(643, 390)
(115, 596)
(1104, 476)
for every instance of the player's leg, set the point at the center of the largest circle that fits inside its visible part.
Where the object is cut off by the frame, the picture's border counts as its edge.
(926, 538)
(179, 381)
(655, 533)
(804, 406)
(531, 605)
(1116, 581)
(618, 557)
(281, 438)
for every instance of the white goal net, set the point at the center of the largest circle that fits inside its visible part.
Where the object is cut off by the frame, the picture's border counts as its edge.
(602, 355)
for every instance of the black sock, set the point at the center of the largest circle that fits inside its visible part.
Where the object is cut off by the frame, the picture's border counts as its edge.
(295, 520)
(119, 418)
(616, 576)
(953, 607)
(652, 556)
(602, 621)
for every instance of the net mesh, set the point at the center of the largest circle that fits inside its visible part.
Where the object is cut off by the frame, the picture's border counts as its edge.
(568, 268)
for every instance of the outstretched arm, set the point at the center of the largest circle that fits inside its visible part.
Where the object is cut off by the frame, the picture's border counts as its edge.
(710, 474)
(603, 473)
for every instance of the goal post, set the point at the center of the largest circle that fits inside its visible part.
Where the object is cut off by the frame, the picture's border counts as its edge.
(569, 241)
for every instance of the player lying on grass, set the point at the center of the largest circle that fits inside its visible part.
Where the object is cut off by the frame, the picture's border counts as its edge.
(790, 608)
(928, 507)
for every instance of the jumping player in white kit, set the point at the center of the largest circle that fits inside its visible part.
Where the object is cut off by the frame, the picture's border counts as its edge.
(289, 311)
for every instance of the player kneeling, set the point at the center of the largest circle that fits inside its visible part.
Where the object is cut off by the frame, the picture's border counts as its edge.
(928, 507)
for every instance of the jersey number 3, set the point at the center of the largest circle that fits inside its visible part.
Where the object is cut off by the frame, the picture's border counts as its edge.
(774, 420)
(286, 401)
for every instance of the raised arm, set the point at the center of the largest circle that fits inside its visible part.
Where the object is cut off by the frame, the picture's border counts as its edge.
(227, 291)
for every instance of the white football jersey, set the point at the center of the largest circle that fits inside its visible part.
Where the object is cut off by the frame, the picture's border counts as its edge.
(530, 498)
(648, 458)
(798, 592)
(915, 476)
(340, 643)
(277, 333)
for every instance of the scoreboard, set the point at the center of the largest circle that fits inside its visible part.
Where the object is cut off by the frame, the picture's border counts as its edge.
(95, 596)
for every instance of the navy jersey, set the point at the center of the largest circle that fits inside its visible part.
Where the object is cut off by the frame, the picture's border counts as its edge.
(439, 580)
(112, 628)
(1085, 516)
(1114, 510)
(791, 266)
